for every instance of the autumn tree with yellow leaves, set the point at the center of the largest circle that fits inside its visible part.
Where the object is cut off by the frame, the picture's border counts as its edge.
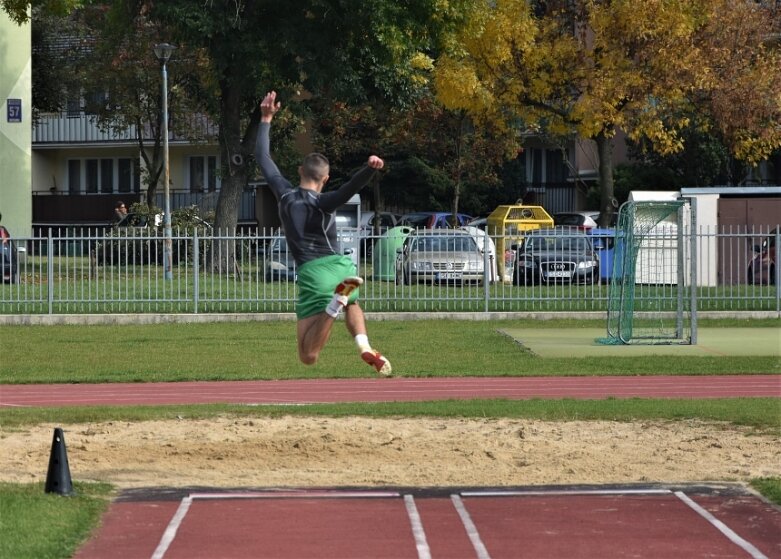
(587, 68)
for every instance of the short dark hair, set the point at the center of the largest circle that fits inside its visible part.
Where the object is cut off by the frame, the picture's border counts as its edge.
(315, 167)
(119, 204)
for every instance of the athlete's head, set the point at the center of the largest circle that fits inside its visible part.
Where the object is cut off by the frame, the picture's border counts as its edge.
(314, 168)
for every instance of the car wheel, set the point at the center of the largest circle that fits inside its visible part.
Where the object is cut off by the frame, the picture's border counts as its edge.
(407, 279)
(750, 275)
(772, 272)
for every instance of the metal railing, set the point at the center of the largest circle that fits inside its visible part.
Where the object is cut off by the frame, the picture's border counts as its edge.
(93, 271)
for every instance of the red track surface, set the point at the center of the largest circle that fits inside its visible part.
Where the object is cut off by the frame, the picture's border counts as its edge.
(389, 390)
(595, 523)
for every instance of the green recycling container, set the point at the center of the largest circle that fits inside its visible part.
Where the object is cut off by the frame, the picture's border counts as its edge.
(384, 253)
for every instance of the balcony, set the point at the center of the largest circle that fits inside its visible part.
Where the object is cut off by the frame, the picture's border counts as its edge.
(64, 128)
(60, 129)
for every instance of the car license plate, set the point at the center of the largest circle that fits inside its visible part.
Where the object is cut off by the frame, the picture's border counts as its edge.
(558, 274)
(449, 275)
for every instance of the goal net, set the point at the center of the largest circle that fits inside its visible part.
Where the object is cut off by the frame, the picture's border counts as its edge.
(652, 295)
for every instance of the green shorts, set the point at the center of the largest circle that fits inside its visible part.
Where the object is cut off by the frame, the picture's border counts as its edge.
(317, 280)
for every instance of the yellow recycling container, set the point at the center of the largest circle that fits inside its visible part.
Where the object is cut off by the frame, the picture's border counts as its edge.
(506, 226)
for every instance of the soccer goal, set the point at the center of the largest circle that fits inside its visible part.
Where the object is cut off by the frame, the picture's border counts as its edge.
(652, 295)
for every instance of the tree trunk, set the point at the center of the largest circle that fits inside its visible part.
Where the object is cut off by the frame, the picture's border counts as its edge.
(607, 204)
(222, 255)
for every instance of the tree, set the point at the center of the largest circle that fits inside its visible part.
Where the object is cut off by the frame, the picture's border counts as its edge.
(19, 10)
(53, 61)
(122, 79)
(346, 48)
(739, 46)
(433, 154)
(591, 67)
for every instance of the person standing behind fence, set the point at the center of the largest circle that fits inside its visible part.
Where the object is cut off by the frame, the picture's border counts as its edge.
(327, 280)
(120, 213)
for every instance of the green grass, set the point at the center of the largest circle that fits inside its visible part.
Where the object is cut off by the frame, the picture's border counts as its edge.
(37, 525)
(267, 350)
(770, 487)
(761, 414)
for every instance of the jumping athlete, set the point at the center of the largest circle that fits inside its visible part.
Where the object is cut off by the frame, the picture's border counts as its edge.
(327, 280)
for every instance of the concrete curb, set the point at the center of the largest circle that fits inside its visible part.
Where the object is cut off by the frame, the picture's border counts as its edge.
(192, 318)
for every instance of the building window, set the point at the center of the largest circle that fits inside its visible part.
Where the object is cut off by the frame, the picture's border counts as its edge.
(74, 176)
(202, 173)
(105, 176)
(545, 166)
(556, 170)
(95, 102)
(92, 178)
(124, 175)
(212, 173)
(73, 107)
(197, 175)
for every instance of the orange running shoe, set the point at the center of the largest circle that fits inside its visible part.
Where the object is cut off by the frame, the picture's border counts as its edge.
(348, 285)
(376, 360)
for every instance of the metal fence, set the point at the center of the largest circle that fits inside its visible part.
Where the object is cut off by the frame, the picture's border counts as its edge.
(121, 271)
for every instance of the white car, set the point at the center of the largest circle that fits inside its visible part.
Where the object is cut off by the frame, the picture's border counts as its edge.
(440, 256)
(580, 220)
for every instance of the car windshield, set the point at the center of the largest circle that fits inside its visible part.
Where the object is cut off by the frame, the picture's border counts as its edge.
(279, 244)
(568, 219)
(444, 244)
(416, 220)
(556, 244)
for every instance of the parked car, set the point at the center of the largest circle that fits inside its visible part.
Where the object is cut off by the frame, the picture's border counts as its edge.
(278, 262)
(579, 220)
(762, 268)
(555, 255)
(434, 220)
(479, 222)
(9, 256)
(368, 228)
(450, 256)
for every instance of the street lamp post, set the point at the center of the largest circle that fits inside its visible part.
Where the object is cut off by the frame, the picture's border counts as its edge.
(163, 52)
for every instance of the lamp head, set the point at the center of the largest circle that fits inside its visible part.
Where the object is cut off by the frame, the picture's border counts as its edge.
(163, 51)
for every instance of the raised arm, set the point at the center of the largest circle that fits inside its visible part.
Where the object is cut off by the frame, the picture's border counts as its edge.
(330, 201)
(268, 108)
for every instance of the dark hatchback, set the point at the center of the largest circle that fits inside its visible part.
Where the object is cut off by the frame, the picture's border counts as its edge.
(555, 255)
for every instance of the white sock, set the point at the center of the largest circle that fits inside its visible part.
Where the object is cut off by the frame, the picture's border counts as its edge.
(362, 341)
(336, 305)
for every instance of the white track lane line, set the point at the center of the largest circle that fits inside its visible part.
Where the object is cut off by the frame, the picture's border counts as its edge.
(421, 543)
(721, 527)
(471, 529)
(173, 526)
(304, 494)
(543, 493)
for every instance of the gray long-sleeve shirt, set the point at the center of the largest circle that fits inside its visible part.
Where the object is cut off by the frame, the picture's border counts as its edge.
(307, 216)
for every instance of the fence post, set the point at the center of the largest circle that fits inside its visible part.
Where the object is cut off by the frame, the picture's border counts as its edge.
(777, 278)
(487, 271)
(196, 263)
(50, 271)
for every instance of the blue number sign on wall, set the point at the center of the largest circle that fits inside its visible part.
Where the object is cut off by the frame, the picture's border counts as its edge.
(14, 110)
